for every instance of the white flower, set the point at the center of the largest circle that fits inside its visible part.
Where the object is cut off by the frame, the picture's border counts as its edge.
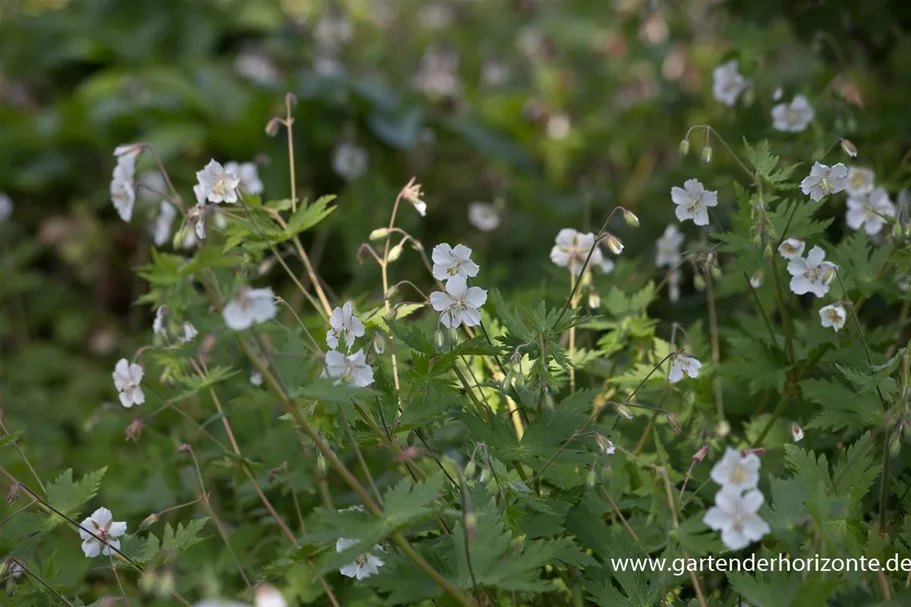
(352, 369)
(459, 303)
(833, 315)
(727, 83)
(256, 67)
(158, 327)
(218, 184)
(123, 192)
(484, 216)
(824, 180)
(683, 364)
(128, 381)
(349, 161)
(791, 248)
(189, 333)
(793, 117)
(860, 181)
(334, 29)
(248, 175)
(256, 378)
(364, 566)
(6, 207)
(161, 227)
(572, 248)
(693, 201)
(734, 514)
(608, 447)
(102, 524)
(344, 320)
(668, 247)
(126, 155)
(737, 471)
(196, 217)
(796, 433)
(268, 596)
(870, 211)
(249, 306)
(605, 265)
(756, 279)
(453, 261)
(437, 74)
(808, 275)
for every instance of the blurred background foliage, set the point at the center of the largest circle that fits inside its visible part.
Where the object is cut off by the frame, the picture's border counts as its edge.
(554, 110)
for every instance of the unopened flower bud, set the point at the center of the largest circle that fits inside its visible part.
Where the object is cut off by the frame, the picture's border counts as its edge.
(767, 252)
(471, 469)
(716, 272)
(396, 251)
(438, 340)
(148, 581)
(796, 433)
(684, 148)
(848, 147)
(321, 465)
(699, 282)
(614, 244)
(408, 454)
(379, 233)
(674, 424)
(291, 99)
(631, 219)
(148, 521)
(184, 448)
(471, 524)
(754, 451)
(591, 478)
(165, 585)
(829, 275)
(723, 428)
(391, 291)
(379, 343)
(624, 411)
(272, 127)
(594, 300)
(13, 495)
(548, 400)
(607, 447)
(707, 154)
(700, 455)
(756, 279)
(485, 474)
(134, 430)
(895, 444)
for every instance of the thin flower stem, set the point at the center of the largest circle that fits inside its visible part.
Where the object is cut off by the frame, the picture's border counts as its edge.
(117, 577)
(718, 136)
(360, 456)
(572, 331)
(164, 173)
(713, 332)
(619, 514)
(863, 339)
(22, 455)
(38, 579)
(463, 491)
(204, 496)
(384, 272)
(293, 491)
(783, 310)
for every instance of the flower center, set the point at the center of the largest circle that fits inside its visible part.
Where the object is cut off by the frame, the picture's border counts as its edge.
(793, 116)
(813, 274)
(737, 521)
(824, 185)
(738, 474)
(219, 187)
(857, 180)
(834, 316)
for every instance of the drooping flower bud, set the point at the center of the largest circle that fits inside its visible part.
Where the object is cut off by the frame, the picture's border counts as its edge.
(707, 154)
(438, 341)
(700, 455)
(631, 219)
(379, 233)
(684, 148)
(614, 244)
(848, 147)
(796, 433)
(379, 343)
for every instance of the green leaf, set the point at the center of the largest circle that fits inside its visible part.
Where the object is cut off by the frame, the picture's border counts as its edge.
(70, 496)
(308, 215)
(409, 503)
(10, 438)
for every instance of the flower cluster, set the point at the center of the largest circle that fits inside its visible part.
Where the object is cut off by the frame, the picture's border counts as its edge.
(458, 303)
(738, 501)
(869, 206)
(349, 368)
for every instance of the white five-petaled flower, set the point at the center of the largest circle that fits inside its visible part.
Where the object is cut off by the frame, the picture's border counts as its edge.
(161, 226)
(249, 306)
(484, 216)
(459, 303)
(809, 274)
(728, 83)
(833, 315)
(364, 566)
(796, 433)
(793, 117)
(860, 181)
(189, 332)
(737, 471)
(453, 261)
(6, 207)
(682, 364)
(668, 247)
(824, 180)
(870, 211)
(571, 249)
(218, 184)
(791, 248)
(756, 279)
(693, 201)
(344, 321)
(123, 192)
(349, 161)
(735, 515)
(105, 531)
(128, 381)
(248, 175)
(352, 369)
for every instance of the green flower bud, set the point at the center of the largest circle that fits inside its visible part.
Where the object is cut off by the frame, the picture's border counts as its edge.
(684, 147)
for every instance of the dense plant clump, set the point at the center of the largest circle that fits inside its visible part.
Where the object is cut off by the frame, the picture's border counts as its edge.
(496, 382)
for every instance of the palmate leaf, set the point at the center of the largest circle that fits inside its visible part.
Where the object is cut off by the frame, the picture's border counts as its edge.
(841, 407)
(772, 590)
(173, 543)
(798, 217)
(69, 496)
